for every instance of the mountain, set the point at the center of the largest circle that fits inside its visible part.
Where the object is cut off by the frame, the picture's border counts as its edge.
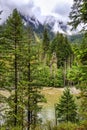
(33, 22)
(53, 26)
(51, 23)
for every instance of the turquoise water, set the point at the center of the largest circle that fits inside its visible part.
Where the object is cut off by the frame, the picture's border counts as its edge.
(47, 114)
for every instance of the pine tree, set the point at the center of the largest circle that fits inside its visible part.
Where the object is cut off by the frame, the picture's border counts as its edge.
(30, 74)
(78, 14)
(66, 109)
(21, 58)
(2, 63)
(2, 74)
(83, 77)
(13, 44)
(46, 41)
(78, 74)
(61, 46)
(45, 46)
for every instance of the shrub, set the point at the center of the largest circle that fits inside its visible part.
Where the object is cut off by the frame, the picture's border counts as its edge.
(67, 126)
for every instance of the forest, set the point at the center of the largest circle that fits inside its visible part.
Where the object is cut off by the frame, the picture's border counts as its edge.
(30, 63)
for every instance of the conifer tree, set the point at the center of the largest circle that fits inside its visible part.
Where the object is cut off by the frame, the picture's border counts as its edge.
(2, 73)
(66, 109)
(78, 14)
(45, 46)
(2, 64)
(83, 77)
(31, 63)
(61, 46)
(13, 44)
(78, 74)
(21, 56)
(46, 41)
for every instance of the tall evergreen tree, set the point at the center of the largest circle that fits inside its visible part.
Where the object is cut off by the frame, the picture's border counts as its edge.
(78, 16)
(61, 46)
(2, 63)
(31, 63)
(45, 45)
(21, 58)
(78, 74)
(66, 109)
(82, 78)
(13, 44)
(46, 41)
(2, 74)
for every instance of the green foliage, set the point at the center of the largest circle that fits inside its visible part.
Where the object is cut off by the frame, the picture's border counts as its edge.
(74, 74)
(66, 109)
(11, 47)
(57, 79)
(45, 47)
(61, 46)
(83, 124)
(46, 41)
(83, 50)
(75, 38)
(21, 58)
(79, 13)
(25, 66)
(48, 79)
(44, 75)
(12, 128)
(67, 126)
(30, 76)
(63, 126)
(78, 74)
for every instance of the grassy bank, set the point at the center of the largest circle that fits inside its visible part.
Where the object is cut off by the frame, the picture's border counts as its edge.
(52, 96)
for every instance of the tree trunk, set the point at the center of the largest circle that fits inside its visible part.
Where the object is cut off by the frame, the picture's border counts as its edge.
(29, 113)
(16, 83)
(64, 73)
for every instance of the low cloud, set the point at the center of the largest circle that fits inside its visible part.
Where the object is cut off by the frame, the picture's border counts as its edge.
(62, 9)
(37, 8)
(26, 7)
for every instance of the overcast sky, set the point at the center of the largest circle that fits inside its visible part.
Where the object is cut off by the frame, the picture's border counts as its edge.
(39, 8)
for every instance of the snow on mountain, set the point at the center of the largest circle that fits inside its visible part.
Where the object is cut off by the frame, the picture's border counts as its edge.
(34, 21)
(56, 25)
(51, 22)
(56, 28)
(30, 20)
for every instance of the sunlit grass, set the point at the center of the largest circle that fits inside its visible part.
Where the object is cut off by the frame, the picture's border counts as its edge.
(5, 93)
(52, 96)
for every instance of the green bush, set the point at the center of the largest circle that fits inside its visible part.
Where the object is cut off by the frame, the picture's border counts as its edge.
(49, 126)
(11, 128)
(47, 78)
(57, 80)
(67, 126)
(83, 125)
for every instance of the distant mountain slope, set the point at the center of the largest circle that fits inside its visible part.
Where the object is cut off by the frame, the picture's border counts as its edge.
(75, 38)
(51, 23)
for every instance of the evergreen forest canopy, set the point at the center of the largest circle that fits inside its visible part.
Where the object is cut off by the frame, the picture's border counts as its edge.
(28, 63)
